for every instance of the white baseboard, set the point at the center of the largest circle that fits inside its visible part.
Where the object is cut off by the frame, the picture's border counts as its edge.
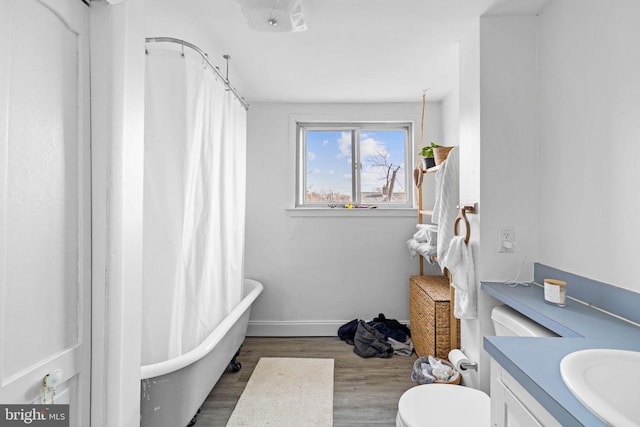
(286, 328)
(297, 328)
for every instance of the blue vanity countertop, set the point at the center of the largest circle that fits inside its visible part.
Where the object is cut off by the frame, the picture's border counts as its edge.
(535, 362)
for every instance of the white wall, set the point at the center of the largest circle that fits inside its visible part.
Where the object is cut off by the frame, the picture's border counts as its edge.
(508, 156)
(509, 141)
(469, 121)
(320, 272)
(498, 139)
(589, 139)
(451, 118)
(556, 148)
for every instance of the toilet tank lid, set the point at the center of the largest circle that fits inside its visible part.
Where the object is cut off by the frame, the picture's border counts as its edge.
(520, 324)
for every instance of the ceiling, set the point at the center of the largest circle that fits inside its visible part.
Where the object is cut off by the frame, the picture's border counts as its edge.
(353, 51)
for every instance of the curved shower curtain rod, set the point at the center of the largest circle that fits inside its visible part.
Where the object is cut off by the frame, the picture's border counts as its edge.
(206, 58)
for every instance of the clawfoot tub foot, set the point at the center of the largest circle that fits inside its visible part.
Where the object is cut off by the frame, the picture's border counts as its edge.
(235, 365)
(194, 419)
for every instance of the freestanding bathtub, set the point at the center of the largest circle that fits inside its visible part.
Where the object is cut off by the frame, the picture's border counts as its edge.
(172, 391)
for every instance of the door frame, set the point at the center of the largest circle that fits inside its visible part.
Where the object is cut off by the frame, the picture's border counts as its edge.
(117, 138)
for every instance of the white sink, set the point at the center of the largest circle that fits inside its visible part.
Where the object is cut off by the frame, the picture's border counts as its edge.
(607, 382)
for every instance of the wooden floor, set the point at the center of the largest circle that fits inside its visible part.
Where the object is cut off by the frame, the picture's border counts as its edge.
(366, 391)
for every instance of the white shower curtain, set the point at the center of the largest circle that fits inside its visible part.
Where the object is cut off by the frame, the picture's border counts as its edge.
(194, 203)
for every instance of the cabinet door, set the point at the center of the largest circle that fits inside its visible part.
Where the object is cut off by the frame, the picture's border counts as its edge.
(509, 411)
(512, 405)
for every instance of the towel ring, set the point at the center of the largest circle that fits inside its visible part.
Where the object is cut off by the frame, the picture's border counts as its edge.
(462, 215)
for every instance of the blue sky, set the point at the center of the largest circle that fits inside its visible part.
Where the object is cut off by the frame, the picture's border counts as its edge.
(329, 159)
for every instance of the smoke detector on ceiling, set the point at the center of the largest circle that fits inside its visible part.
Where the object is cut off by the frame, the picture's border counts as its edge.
(274, 16)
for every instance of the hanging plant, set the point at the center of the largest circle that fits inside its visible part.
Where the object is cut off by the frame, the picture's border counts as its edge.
(427, 154)
(427, 151)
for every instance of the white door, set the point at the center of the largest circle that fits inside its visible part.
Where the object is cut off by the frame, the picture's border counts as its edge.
(45, 210)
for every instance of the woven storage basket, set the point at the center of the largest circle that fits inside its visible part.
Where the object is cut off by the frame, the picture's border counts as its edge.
(429, 314)
(440, 154)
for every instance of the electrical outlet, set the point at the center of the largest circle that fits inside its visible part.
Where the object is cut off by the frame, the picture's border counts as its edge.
(506, 239)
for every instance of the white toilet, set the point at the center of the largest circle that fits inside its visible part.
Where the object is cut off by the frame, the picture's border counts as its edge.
(414, 405)
(508, 322)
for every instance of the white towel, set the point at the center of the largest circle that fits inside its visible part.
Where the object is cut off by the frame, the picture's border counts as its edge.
(427, 250)
(413, 244)
(459, 261)
(445, 209)
(426, 233)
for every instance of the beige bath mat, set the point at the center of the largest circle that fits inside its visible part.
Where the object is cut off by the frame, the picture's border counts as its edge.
(287, 392)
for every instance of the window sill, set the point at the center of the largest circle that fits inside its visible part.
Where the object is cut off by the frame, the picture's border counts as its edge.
(357, 212)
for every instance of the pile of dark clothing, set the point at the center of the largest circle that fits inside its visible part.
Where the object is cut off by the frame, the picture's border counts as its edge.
(380, 337)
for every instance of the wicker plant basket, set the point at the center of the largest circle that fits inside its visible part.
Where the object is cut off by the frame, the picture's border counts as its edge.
(440, 154)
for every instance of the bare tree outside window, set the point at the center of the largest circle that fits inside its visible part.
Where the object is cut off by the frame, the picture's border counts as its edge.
(388, 174)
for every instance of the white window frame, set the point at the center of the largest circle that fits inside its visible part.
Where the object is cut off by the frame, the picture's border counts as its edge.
(355, 128)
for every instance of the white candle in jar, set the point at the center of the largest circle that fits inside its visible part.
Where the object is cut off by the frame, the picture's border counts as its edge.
(555, 291)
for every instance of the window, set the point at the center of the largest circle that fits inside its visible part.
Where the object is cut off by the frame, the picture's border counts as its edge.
(357, 163)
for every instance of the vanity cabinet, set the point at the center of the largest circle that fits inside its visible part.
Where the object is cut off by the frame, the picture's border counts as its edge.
(512, 405)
